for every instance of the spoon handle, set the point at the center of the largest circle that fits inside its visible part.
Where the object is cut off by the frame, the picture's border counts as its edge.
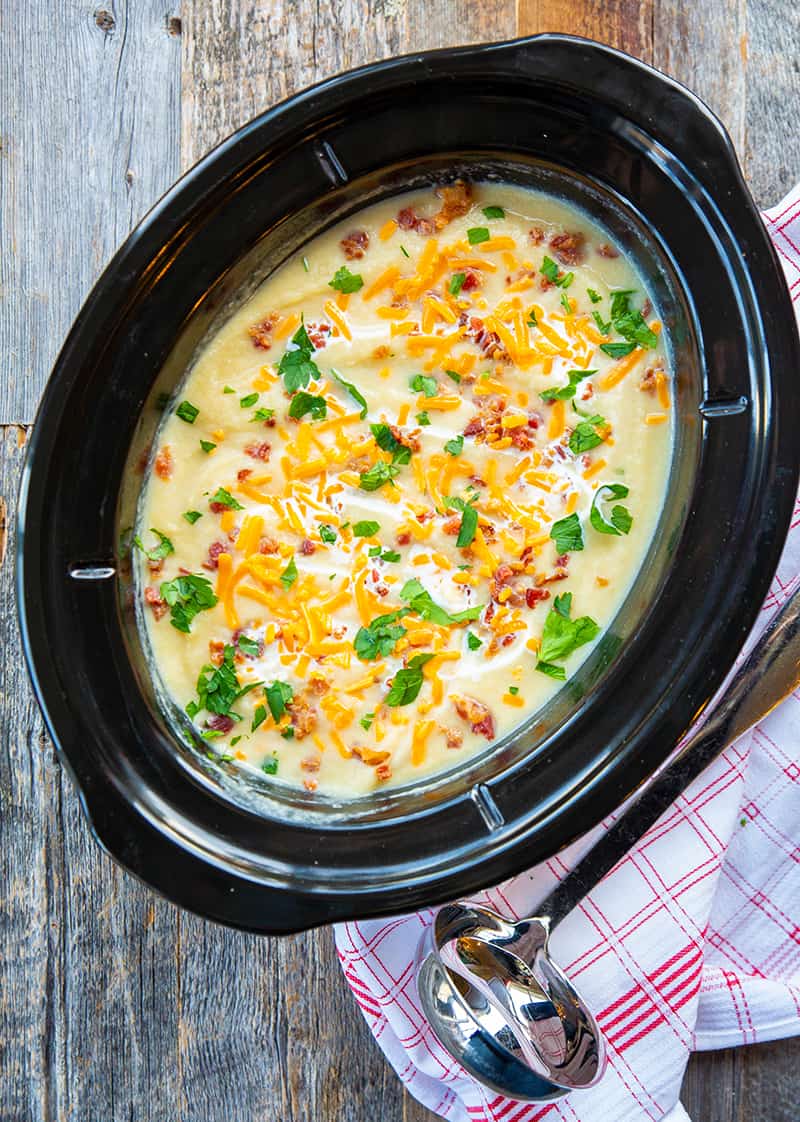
(770, 672)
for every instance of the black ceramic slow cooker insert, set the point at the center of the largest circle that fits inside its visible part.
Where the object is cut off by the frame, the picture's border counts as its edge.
(646, 159)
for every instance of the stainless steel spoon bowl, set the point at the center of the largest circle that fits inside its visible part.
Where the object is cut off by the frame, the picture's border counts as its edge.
(495, 999)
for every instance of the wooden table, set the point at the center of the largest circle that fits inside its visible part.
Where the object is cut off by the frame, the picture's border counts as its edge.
(113, 1005)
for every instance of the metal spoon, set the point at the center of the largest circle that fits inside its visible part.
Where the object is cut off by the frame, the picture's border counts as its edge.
(495, 999)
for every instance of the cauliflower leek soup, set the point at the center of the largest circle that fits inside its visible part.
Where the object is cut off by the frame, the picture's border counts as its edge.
(404, 489)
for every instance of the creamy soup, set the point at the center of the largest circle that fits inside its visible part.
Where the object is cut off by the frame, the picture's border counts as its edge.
(405, 488)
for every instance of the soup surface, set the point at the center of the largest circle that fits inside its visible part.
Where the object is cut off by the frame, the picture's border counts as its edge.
(405, 488)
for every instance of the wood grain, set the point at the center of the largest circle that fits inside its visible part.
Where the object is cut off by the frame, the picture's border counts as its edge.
(89, 97)
(113, 1006)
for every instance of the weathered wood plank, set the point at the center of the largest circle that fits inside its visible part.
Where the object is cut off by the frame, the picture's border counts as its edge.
(89, 96)
(626, 24)
(759, 1083)
(241, 57)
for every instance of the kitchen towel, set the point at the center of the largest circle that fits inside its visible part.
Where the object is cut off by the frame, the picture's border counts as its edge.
(691, 942)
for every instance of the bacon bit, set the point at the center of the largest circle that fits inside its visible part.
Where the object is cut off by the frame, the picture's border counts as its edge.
(475, 426)
(318, 334)
(243, 473)
(647, 308)
(164, 463)
(607, 250)
(236, 636)
(569, 249)
(220, 723)
(487, 341)
(383, 772)
(307, 547)
(456, 201)
(259, 451)
(318, 685)
(405, 439)
(471, 280)
(522, 439)
(452, 526)
(381, 352)
(355, 244)
(559, 574)
(153, 597)
(212, 561)
(562, 561)
(311, 763)
(216, 651)
(649, 382)
(487, 424)
(403, 537)
(533, 596)
(268, 545)
(453, 738)
(261, 333)
(476, 714)
(156, 566)
(536, 235)
(310, 784)
(534, 420)
(303, 716)
(408, 219)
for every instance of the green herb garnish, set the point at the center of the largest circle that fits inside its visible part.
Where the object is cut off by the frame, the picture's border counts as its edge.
(187, 412)
(562, 635)
(263, 415)
(595, 297)
(304, 402)
(455, 446)
(192, 516)
(354, 392)
(619, 520)
(270, 765)
(469, 519)
(278, 695)
(549, 269)
(297, 367)
(407, 682)
(452, 374)
(419, 600)
(248, 401)
(218, 688)
(385, 439)
(423, 419)
(378, 640)
(473, 642)
(567, 534)
(289, 574)
(422, 383)
(345, 281)
(259, 717)
(617, 350)
(477, 234)
(379, 474)
(494, 212)
(566, 393)
(225, 498)
(187, 595)
(248, 646)
(585, 436)
(366, 529)
(159, 551)
(327, 533)
(207, 446)
(456, 283)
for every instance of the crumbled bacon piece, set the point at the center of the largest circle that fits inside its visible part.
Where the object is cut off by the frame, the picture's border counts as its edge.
(649, 382)
(310, 784)
(302, 715)
(475, 425)
(453, 738)
(310, 763)
(452, 526)
(559, 574)
(487, 341)
(456, 201)
(268, 544)
(607, 250)
(383, 772)
(647, 308)
(256, 639)
(243, 473)
(534, 420)
(471, 280)
(307, 547)
(408, 219)
(259, 451)
(318, 334)
(218, 508)
(533, 596)
(562, 561)
(522, 439)
(261, 333)
(318, 685)
(381, 352)
(477, 715)
(164, 464)
(536, 235)
(355, 244)
(212, 561)
(153, 598)
(569, 249)
(403, 537)
(220, 722)
(405, 438)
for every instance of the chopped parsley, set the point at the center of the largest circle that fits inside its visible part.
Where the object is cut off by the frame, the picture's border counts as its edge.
(455, 446)
(259, 717)
(385, 555)
(263, 415)
(565, 303)
(229, 389)
(419, 600)
(473, 642)
(192, 516)
(404, 251)
(477, 234)
(289, 574)
(422, 383)
(354, 392)
(513, 690)
(366, 529)
(617, 350)
(567, 534)
(225, 498)
(345, 281)
(218, 688)
(378, 640)
(248, 401)
(278, 695)
(603, 325)
(288, 732)
(562, 635)
(306, 265)
(423, 418)
(407, 682)
(629, 322)
(549, 269)
(385, 439)
(452, 374)
(270, 765)
(366, 721)
(159, 551)
(585, 436)
(566, 280)
(207, 446)
(469, 519)
(187, 412)
(377, 475)
(327, 533)
(595, 297)
(566, 393)
(619, 520)
(493, 212)
(532, 320)
(248, 646)
(456, 283)
(187, 595)
(304, 402)
(297, 368)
